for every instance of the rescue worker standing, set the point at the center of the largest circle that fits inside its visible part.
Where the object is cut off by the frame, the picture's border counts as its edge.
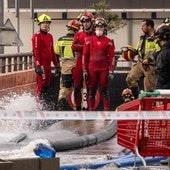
(42, 45)
(98, 63)
(146, 47)
(87, 23)
(163, 58)
(64, 51)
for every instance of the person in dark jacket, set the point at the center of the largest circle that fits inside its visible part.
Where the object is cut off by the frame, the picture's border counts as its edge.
(163, 58)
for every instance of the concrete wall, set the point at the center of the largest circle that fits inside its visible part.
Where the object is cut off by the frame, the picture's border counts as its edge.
(22, 81)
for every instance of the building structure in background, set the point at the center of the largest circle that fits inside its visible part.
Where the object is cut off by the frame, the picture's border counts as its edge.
(131, 11)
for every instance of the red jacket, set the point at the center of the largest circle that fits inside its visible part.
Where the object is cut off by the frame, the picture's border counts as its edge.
(79, 40)
(98, 52)
(42, 45)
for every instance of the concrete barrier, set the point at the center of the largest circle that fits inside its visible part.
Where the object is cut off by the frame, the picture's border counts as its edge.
(18, 82)
(7, 165)
(30, 164)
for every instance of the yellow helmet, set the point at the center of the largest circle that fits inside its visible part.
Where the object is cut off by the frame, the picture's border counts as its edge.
(43, 18)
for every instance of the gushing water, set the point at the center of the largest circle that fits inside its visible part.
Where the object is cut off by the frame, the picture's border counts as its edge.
(15, 102)
(24, 102)
(11, 128)
(35, 134)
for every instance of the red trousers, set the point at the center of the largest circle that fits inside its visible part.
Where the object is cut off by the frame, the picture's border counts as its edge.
(43, 81)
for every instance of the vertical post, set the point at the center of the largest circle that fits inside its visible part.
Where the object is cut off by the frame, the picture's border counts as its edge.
(1, 25)
(32, 14)
(130, 33)
(17, 15)
(1, 21)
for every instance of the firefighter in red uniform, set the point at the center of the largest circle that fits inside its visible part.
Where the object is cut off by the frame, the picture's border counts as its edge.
(87, 22)
(98, 63)
(42, 45)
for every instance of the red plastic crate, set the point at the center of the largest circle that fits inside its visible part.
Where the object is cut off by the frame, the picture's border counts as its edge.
(151, 137)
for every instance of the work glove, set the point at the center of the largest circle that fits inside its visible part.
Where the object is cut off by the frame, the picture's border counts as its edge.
(57, 70)
(39, 70)
(85, 75)
(111, 75)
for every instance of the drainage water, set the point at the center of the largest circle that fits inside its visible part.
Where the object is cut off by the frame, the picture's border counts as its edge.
(36, 133)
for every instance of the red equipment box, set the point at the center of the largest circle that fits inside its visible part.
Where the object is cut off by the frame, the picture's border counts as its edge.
(147, 137)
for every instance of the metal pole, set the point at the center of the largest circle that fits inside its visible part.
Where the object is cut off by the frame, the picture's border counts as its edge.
(18, 20)
(1, 21)
(32, 14)
(129, 37)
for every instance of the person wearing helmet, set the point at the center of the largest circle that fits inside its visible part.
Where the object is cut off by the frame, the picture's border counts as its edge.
(98, 63)
(166, 22)
(162, 70)
(43, 50)
(146, 47)
(127, 95)
(86, 20)
(67, 59)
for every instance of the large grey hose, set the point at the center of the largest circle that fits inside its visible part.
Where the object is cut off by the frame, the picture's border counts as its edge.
(86, 140)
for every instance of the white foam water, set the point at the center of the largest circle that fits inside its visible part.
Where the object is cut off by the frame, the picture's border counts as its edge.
(23, 152)
(24, 102)
(11, 128)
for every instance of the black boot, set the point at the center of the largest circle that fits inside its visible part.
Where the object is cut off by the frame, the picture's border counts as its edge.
(78, 108)
(62, 104)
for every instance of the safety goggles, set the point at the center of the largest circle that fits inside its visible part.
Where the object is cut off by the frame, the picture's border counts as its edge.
(84, 18)
(100, 22)
(124, 49)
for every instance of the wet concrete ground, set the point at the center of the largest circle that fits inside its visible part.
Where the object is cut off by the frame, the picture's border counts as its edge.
(94, 153)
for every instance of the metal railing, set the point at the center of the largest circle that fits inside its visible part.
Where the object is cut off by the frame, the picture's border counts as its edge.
(16, 62)
(25, 61)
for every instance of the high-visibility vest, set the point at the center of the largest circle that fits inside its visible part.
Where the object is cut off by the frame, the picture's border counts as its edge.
(63, 47)
(150, 46)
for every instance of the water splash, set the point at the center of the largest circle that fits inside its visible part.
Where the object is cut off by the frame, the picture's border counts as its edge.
(15, 102)
(23, 152)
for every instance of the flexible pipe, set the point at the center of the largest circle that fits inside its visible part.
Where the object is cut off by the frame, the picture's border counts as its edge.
(86, 140)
